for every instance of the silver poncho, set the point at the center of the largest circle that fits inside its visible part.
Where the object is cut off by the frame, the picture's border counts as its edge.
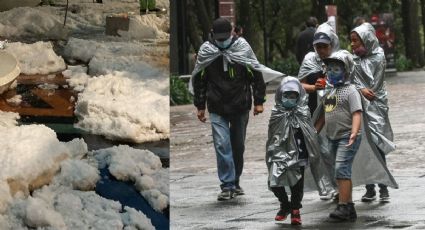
(370, 73)
(282, 150)
(240, 52)
(312, 62)
(368, 166)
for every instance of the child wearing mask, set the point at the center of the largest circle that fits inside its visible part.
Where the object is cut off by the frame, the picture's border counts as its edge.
(342, 114)
(369, 76)
(292, 144)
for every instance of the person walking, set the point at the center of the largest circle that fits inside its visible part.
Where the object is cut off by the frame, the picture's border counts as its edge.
(369, 78)
(342, 113)
(312, 78)
(292, 145)
(227, 80)
(305, 39)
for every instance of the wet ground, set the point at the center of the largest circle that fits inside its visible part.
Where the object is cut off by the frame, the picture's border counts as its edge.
(194, 183)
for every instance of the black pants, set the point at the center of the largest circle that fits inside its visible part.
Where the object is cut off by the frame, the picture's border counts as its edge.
(381, 186)
(297, 193)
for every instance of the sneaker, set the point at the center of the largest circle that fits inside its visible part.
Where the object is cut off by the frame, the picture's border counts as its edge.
(342, 212)
(239, 191)
(329, 196)
(225, 194)
(369, 196)
(383, 194)
(295, 217)
(336, 197)
(353, 213)
(282, 214)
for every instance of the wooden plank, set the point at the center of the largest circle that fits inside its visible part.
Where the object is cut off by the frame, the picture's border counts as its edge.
(58, 100)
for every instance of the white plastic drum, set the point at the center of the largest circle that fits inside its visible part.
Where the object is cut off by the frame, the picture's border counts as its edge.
(9, 70)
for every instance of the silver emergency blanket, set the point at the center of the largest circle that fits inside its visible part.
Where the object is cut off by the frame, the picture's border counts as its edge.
(368, 166)
(282, 150)
(240, 52)
(312, 62)
(370, 73)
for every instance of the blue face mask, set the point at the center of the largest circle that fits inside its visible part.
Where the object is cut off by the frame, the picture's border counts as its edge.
(336, 74)
(289, 103)
(224, 44)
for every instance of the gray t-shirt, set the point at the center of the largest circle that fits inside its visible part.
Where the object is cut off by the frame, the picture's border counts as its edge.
(339, 107)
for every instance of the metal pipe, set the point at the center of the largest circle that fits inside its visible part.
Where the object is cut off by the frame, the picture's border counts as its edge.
(66, 13)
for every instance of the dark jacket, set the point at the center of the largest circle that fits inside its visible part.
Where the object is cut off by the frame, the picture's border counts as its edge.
(305, 43)
(227, 93)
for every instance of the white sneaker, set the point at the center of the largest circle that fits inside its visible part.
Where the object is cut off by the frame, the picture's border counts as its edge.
(329, 196)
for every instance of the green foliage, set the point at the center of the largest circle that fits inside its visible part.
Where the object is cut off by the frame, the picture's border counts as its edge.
(403, 64)
(147, 5)
(48, 2)
(287, 66)
(179, 93)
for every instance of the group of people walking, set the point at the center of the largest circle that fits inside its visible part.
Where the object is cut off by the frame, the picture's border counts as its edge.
(332, 119)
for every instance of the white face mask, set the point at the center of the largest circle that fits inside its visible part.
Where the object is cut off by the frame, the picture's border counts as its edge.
(224, 44)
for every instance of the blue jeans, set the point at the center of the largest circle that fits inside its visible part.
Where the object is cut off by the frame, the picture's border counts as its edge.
(343, 156)
(229, 142)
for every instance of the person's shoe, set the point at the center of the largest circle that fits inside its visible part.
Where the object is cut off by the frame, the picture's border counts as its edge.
(225, 194)
(282, 214)
(336, 197)
(239, 191)
(342, 212)
(369, 196)
(353, 213)
(329, 196)
(384, 196)
(295, 217)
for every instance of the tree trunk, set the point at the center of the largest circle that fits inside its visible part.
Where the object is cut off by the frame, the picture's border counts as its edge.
(412, 39)
(203, 18)
(423, 18)
(318, 10)
(191, 30)
(245, 20)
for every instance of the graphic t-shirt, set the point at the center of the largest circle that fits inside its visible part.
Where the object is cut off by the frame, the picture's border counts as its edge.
(339, 107)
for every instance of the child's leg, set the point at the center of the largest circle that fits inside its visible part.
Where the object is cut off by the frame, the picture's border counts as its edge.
(343, 164)
(285, 206)
(281, 195)
(382, 186)
(345, 191)
(297, 192)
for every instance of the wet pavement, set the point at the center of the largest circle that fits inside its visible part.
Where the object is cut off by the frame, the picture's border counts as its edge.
(194, 183)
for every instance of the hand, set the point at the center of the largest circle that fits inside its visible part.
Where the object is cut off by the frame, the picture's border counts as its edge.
(352, 139)
(320, 84)
(258, 109)
(368, 94)
(201, 115)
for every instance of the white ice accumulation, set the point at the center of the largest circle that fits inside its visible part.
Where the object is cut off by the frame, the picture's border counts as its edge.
(31, 22)
(141, 167)
(27, 153)
(126, 99)
(55, 207)
(8, 119)
(36, 58)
